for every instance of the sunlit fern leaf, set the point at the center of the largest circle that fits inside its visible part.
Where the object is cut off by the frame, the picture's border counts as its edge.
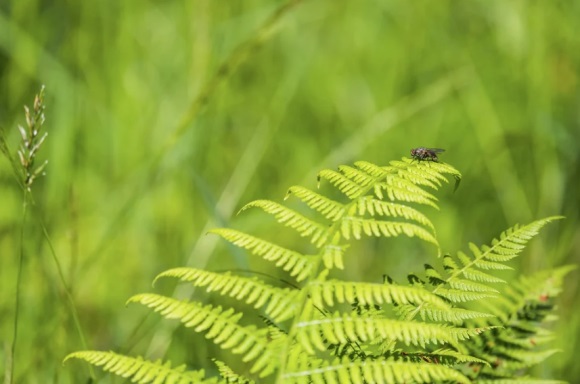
(470, 286)
(486, 258)
(221, 326)
(139, 370)
(515, 360)
(397, 189)
(431, 170)
(430, 312)
(418, 176)
(358, 176)
(352, 226)
(370, 168)
(449, 264)
(274, 332)
(434, 277)
(299, 266)
(332, 256)
(489, 265)
(370, 205)
(448, 357)
(330, 209)
(229, 375)
(303, 225)
(326, 293)
(477, 275)
(460, 296)
(280, 302)
(350, 188)
(521, 314)
(342, 328)
(376, 371)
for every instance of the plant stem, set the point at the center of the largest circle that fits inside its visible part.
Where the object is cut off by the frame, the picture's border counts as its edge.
(68, 293)
(9, 375)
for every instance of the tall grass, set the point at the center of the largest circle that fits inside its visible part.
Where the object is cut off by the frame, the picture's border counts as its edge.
(154, 136)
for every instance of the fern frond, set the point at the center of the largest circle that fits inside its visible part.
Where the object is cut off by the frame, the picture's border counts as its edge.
(357, 175)
(521, 310)
(376, 371)
(511, 242)
(509, 245)
(482, 277)
(372, 206)
(332, 256)
(419, 176)
(449, 315)
(371, 169)
(221, 326)
(444, 356)
(459, 296)
(330, 209)
(426, 173)
(345, 185)
(303, 225)
(299, 266)
(357, 332)
(398, 189)
(139, 370)
(451, 357)
(516, 359)
(325, 293)
(280, 302)
(468, 285)
(352, 226)
(229, 375)
(340, 329)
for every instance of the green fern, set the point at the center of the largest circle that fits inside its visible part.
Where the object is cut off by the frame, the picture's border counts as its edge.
(464, 278)
(279, 302)
(297, 264)
(141, 371)
(229, 375)
(521, 313)
(219, 325)
(378, 371)
(333, 331)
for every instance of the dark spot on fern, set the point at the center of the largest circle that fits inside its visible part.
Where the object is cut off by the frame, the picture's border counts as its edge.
(414, 279)
(387, 279)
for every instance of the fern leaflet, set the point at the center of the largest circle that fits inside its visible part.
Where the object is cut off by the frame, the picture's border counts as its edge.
(280, 302)
(221, 326)
(139, 370)
(375, 371)
(299, 266)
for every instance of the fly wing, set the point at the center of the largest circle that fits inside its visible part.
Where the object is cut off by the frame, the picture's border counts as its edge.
(436, 150)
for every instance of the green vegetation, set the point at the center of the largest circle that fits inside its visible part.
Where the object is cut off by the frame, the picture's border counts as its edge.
(164, 118)
(329, 330)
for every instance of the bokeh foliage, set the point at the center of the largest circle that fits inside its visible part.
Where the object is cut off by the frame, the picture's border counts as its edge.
(140, 166)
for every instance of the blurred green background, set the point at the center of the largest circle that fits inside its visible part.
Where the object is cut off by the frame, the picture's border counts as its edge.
(164, 118)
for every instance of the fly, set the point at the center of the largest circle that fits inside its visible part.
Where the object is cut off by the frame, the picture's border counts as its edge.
(429, 154)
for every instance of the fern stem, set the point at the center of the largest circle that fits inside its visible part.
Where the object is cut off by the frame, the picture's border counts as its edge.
(303, 297)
